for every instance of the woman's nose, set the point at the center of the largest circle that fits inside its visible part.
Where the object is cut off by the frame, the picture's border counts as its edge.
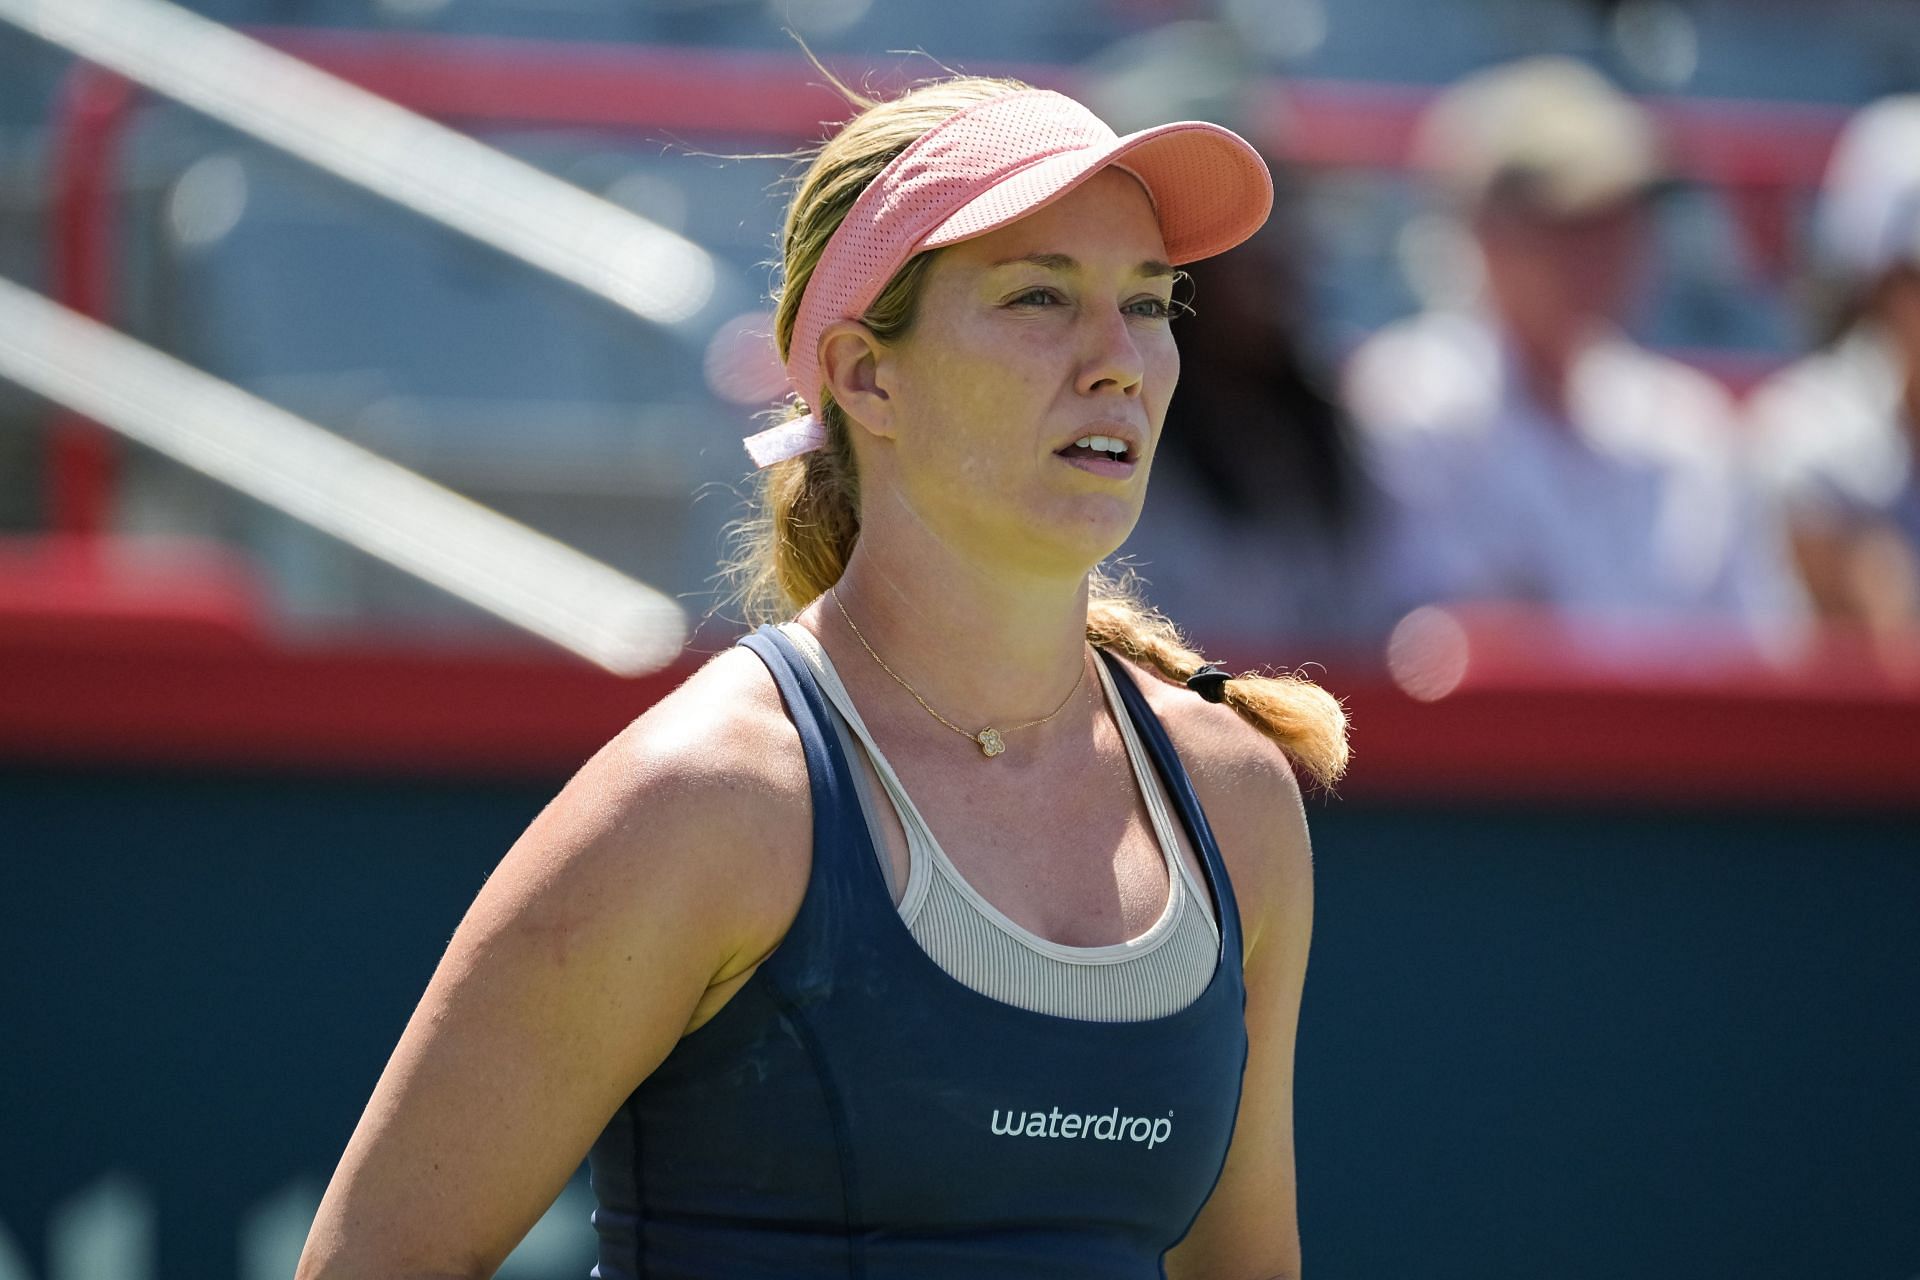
(1113, 360)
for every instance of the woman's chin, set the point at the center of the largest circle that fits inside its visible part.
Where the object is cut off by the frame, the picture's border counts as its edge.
(1073, 544)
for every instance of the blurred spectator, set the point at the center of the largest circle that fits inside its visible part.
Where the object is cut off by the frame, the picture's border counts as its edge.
(1837, 432)
(1539, 454)
(1259, 521)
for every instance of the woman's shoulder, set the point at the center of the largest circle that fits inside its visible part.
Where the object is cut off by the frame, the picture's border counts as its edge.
(722, 719)
(1222, 752)
(1247, 788)
(718, 749)
(703, 799)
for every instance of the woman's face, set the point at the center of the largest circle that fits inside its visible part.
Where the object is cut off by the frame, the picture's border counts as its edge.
(1027, 340)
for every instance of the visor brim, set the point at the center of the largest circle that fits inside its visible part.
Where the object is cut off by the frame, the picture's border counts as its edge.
(1210, 188)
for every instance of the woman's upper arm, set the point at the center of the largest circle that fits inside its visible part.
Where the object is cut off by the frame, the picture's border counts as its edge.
(651, 877)
(1249, 1229)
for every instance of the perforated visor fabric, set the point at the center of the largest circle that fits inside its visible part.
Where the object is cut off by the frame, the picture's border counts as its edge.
(1003, 159)
(1204, 188)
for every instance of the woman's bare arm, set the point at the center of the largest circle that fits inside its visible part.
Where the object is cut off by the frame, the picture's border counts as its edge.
(1249, 1229)
(660, 875)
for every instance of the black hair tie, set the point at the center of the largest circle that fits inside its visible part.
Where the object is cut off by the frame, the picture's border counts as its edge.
(1210, 682)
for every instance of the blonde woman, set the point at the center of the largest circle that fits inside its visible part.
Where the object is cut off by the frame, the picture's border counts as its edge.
(957, 926)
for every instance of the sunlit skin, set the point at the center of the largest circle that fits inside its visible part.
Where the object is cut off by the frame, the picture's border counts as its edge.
(977, 536)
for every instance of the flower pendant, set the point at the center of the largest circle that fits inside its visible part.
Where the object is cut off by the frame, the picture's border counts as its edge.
(990, 743)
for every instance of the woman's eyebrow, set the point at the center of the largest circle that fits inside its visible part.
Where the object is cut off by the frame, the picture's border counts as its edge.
(1066, 262)
(1050, 261)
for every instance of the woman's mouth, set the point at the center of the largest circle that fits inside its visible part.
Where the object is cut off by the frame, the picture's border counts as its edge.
(1102, 455)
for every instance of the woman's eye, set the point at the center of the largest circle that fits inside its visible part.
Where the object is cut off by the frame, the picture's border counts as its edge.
(1147, 308)
(1152, 308)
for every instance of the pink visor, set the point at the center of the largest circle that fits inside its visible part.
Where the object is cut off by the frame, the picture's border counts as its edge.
(994, 163)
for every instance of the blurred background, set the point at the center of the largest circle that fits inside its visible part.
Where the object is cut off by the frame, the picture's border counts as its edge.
(1564, 421)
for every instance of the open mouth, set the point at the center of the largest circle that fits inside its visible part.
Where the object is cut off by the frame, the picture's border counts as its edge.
(1104, 448)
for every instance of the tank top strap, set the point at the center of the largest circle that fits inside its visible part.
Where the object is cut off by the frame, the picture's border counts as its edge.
(846, 874)
(1173, 774)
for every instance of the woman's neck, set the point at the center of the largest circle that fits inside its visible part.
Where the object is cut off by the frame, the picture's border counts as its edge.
(982, 648)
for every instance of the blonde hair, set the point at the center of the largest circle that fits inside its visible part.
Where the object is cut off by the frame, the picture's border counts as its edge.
(802, 531)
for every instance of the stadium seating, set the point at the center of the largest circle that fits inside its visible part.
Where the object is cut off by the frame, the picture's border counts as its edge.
(443, 354)
(528, 393)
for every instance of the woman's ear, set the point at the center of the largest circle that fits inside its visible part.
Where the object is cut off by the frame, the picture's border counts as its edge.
(850, 364)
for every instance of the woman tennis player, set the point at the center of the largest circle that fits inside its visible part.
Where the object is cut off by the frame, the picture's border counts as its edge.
(954, 929)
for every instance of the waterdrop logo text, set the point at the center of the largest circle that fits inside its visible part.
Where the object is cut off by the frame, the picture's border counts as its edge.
(1112, 1127)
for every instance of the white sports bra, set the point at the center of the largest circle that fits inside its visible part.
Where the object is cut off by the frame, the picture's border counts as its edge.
(1150, 976)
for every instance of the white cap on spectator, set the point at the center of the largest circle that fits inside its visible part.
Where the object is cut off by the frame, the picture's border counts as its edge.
(1549, 130)
(1195, 69)
(1869, 214)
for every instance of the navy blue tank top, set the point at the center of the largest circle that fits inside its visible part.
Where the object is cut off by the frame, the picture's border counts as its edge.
(855, 1111)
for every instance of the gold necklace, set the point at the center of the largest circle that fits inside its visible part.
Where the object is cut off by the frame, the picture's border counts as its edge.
(990, 739)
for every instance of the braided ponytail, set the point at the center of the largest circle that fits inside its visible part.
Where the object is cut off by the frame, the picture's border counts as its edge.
(1303, 718)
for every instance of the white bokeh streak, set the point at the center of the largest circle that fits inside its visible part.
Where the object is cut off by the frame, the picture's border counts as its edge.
(512, 571)
(445, 175)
